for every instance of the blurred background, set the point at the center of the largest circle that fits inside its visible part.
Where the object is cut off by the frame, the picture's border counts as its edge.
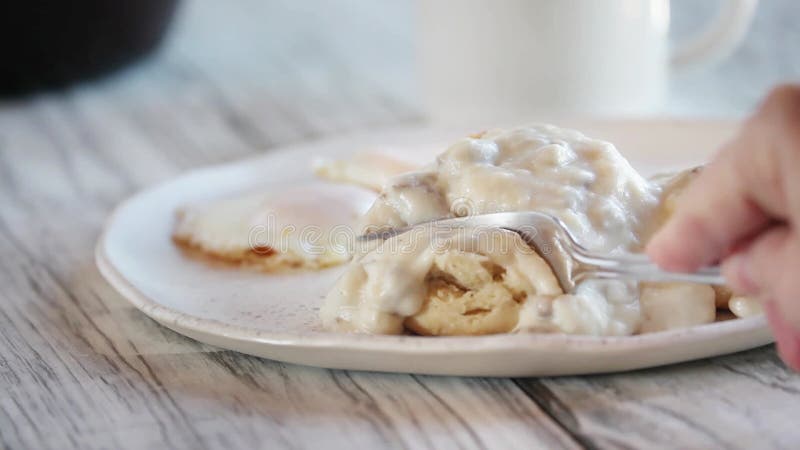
(736, 85)
(279, 70)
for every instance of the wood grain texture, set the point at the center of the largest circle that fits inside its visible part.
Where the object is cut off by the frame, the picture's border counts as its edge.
(80, 368)
(736, 401)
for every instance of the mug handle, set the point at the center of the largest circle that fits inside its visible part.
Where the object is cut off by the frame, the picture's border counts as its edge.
(719, 39)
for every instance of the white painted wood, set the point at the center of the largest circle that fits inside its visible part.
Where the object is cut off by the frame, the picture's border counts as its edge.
(79, 368)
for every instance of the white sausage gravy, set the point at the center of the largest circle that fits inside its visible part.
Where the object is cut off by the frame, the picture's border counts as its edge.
(455, 283)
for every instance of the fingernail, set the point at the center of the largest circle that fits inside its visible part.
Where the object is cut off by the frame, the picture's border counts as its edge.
(787, 338)
(739, 274)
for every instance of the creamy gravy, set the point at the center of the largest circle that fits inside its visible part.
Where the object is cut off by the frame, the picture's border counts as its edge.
(583, 181)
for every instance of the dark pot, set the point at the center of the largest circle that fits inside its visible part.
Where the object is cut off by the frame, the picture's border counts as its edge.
(55, 43)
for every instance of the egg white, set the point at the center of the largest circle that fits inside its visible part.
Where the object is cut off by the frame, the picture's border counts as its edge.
(308, 225)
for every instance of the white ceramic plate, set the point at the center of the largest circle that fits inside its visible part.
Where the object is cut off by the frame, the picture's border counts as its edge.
(275, 316)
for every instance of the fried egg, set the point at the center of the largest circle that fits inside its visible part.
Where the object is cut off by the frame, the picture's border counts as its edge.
(305, 226)
(368, 169)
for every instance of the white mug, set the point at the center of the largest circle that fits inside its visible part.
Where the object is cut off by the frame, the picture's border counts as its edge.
(504, 58)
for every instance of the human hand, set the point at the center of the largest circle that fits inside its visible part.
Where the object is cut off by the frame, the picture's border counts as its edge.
(743, 211)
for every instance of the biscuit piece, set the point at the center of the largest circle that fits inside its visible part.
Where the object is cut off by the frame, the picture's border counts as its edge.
(670, 306)
(458, 282)
(474, 293)
(478, 286)
(466, 295)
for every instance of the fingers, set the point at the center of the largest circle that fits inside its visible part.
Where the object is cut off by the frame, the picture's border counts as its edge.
(749, 185)
(768, 269)
(715, 211)
(754, 269)
(787, 338)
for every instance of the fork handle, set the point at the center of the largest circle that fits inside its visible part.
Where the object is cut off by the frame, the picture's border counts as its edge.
(640, 268)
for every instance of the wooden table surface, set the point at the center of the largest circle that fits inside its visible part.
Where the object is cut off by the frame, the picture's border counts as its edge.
(80, 368)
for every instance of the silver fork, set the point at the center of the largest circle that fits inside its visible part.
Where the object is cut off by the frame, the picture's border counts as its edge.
(570, 261)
